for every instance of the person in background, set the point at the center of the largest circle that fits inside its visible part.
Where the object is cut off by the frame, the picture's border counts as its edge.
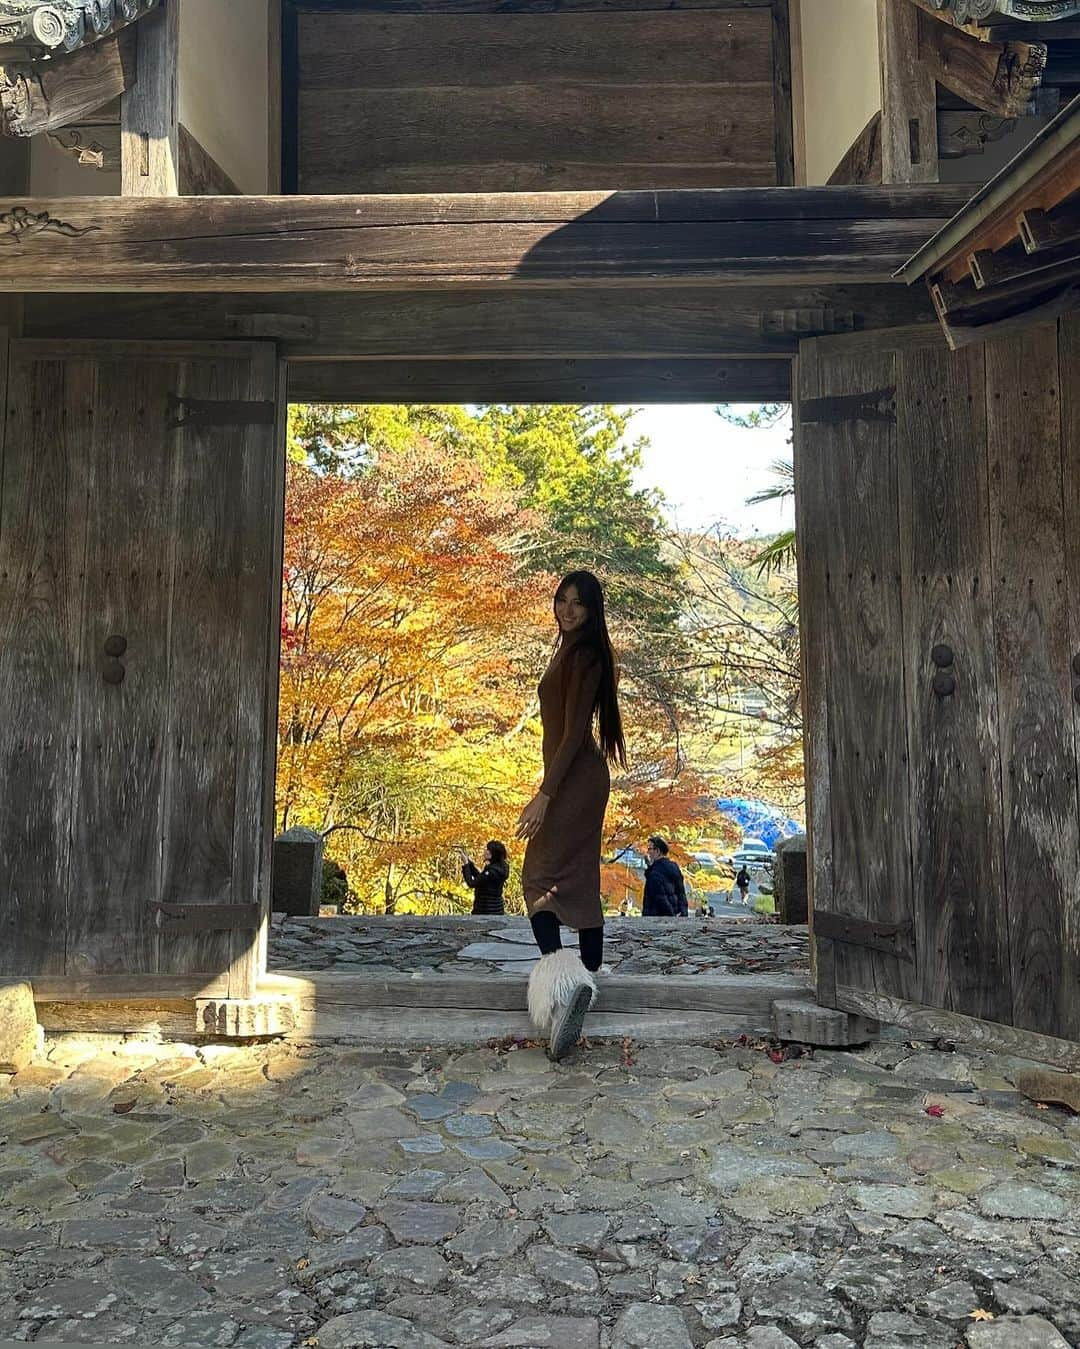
(487, 884)
(742, 882)
(665, 890)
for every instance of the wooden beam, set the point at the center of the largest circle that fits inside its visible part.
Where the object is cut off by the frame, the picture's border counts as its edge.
(1002, 78)
(67, 88)
(933, 1023)
(783, 114)
(199, 174)
(969, 132)
(862, 162)
(633, 321)
(623, 380)
(149, 127)
(908, 97)
(774, 236)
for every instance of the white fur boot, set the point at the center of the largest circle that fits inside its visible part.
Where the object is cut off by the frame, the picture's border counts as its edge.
(561, 991)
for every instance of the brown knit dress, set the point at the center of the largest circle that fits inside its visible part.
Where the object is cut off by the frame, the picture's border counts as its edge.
(566, 851)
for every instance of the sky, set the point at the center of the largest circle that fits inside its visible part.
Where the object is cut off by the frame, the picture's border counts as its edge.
(707, 468)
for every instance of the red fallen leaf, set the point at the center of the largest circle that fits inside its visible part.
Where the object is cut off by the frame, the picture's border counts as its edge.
(777, 1055)
(935, 1110)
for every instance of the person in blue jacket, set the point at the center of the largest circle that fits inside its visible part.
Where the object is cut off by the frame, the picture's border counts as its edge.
(665, 891)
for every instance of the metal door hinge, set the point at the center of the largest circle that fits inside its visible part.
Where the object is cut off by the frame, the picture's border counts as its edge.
(207, 412)
(894, 939)
(876, 405)
(177, 920)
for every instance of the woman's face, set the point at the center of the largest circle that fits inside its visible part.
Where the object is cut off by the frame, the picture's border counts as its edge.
(487, 856)
(569, 610)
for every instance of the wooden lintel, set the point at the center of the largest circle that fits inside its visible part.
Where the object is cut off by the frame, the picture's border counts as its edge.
(968, 132)
(772, 236)
(1002, 78)
(630, 321)
(701, 380)
(47, 95)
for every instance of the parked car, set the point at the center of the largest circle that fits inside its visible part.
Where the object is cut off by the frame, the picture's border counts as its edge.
(753, 854)
(705, 859)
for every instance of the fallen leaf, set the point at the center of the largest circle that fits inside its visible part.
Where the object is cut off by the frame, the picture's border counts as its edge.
(980, 1315)
(1041, 1105)
(302, 1263)
(936, 1111)
(123, 1107)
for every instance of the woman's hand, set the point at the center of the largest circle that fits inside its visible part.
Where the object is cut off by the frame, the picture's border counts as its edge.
(532, 817)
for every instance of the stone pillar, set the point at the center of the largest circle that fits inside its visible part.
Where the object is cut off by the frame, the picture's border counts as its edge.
(790, 882)
(296, 874)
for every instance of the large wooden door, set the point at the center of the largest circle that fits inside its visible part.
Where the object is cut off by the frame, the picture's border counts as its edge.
(938, 500)
(140, 535)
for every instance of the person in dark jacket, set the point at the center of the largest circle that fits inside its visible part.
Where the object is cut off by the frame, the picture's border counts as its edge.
(665, 892)
(488, 883)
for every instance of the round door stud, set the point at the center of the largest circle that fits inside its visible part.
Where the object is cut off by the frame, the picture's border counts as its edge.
(942, 656)
(115, 646)
(944, 685)
(113, 673)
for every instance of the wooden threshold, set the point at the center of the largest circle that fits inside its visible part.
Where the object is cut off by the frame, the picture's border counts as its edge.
(934, 1023)
(779, 236)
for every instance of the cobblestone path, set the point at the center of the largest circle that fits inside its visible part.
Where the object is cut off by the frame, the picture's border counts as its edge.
(654, 1197)
(469, 945)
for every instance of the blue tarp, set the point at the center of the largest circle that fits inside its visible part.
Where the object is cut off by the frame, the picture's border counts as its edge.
(757, 819)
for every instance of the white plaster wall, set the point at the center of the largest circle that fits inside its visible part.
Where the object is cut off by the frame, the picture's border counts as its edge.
(841, 83)
(54, 173)
(224, 84)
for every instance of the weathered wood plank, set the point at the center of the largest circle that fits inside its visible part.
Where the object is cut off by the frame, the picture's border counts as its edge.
(529, 137)
(541, 381)
(353, 49)
(43, 497)
(258, 509)
(932, 1023)
(335, 991)
(998, 77)
(173, 1018)
(116, 830)
(198, 173)
(546, 7)
(671, 321)
(783, 118)
(1069, 368)
(908, 97)
(67, 88)
(776, 235)
(810, 521)
(153, 989)
(200, 831)
(956, 830)
(863, 652)
(149, 111)
(862, 160)
(1031, 622)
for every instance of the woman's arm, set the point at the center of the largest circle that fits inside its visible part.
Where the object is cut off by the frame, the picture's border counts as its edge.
(583, 681)
(470, 874)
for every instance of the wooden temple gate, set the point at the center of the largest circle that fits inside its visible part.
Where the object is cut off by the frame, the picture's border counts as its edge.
(140, 517)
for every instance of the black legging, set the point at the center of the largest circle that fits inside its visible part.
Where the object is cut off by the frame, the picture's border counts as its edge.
(545, 928)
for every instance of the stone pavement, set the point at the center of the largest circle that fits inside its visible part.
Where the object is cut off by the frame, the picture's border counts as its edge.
(467, 945)
(633, 1197)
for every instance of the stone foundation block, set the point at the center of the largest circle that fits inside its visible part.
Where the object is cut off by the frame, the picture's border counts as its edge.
(19, 1037)
(809, 1024)
(245, 1018)
(1051, 1088)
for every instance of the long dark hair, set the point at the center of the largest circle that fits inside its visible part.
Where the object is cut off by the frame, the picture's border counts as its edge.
(498, 856)
(594, 638)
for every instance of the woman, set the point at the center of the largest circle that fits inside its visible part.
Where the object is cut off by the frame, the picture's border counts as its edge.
(488, 884)
(564, 821)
